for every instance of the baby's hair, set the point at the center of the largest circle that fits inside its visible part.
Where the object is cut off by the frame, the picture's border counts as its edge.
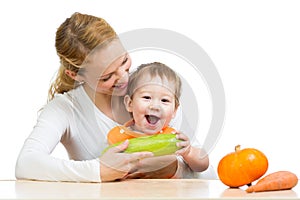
(155, 69)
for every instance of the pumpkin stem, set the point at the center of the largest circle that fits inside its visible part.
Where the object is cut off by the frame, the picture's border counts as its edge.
(237, 148)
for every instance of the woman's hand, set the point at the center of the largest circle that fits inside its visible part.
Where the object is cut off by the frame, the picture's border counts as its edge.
(115, 165)
(155, 167)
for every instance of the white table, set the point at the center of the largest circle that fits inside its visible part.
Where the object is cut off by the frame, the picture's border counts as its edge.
(135, 189)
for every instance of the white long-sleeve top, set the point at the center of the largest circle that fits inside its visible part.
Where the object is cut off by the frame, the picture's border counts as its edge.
(74, 120)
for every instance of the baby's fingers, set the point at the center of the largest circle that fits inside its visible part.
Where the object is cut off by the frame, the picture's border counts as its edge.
(184, 147)
(183, 143)
(180, 151)
(181, 136)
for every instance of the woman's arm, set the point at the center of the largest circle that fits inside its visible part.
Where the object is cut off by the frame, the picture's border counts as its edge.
(34, 164)
(35, 161)
(57, 122)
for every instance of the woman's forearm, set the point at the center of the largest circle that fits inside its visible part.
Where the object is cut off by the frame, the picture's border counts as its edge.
(34, 163)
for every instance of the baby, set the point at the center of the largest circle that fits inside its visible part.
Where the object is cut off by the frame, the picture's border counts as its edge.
(153, 99)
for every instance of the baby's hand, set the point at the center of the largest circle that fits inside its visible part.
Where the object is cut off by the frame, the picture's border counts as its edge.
(185, 144)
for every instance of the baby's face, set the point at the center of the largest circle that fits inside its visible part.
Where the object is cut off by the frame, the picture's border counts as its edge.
(153, 106)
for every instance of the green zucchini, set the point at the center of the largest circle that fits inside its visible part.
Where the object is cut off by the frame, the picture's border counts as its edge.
(159, 144)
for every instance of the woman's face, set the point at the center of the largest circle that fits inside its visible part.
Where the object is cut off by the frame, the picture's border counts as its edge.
(106, 69)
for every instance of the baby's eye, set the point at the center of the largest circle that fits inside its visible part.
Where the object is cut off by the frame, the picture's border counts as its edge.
(146, 97)
(165, 100)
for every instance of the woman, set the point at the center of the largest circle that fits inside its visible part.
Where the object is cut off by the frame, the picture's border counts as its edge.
(85, 103)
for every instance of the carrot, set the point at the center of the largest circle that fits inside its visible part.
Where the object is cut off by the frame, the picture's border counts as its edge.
(280, 180)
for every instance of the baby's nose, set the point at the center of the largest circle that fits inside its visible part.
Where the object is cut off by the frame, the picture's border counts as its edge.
(154, 107)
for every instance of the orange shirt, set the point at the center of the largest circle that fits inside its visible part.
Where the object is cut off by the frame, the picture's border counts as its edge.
(121, 133)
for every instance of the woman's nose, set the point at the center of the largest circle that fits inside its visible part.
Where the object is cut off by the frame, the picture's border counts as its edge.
(122, 71)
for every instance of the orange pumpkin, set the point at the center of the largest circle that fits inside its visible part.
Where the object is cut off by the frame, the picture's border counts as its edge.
(242, 167)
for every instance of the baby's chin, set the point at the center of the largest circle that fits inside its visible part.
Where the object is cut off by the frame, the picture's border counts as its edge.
(149, 129)
(151, 132)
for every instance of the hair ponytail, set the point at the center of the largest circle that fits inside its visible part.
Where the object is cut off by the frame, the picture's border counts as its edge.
(76, 37)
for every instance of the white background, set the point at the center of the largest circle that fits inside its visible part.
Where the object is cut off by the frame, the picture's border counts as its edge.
(255, 46)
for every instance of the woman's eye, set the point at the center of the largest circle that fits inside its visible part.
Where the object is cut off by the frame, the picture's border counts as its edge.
(105, 78)
(125, 60)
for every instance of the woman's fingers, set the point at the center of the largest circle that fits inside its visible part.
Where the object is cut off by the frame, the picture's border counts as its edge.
(115, 157)
(140, 155)
(121, 147)
(155, 167)
(120, 163)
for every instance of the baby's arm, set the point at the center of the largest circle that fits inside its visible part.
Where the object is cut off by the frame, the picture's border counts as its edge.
(196, 158)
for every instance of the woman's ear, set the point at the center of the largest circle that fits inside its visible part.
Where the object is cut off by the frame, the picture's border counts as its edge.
(73, 75)
(128, 103)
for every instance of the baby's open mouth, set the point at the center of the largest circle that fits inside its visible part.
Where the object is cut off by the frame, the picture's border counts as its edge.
(152, 119)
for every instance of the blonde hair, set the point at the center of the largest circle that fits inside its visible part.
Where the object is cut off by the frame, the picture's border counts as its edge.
(155, 69)
(76, 37)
